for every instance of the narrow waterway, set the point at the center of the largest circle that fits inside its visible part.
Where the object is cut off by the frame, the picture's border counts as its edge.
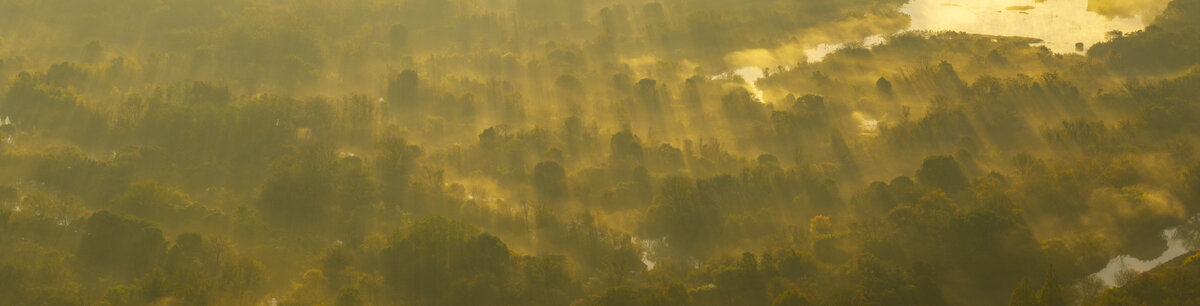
(1177, 245)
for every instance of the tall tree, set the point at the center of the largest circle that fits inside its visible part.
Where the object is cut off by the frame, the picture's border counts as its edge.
(550, 181)
(1023, 295)
(118, 245)
(1051, 293)
(943, 172)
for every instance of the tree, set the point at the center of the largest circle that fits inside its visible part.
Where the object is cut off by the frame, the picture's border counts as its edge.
(93, 52)
(626, 151)
(550, 180)
(395, 165)
(674, 295)
(943, 172)
(298, 193)
(153, 201)
(646, 92)
(349, 296)
(884, 87)
(878, 199)
(201, 271)
(117, 245)
(1023, 295)
(398, 37)
(619, 296)
(844, 156)
(403, 89)
(686, 217)
(820, 225)
(739, 104)
(742, 284)
(440, 262)
(1191, 188)
(545, 280)
(9, 194)
(1051, 293)
(791, 297)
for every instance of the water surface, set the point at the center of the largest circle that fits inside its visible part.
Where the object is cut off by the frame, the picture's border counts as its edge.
(1059, 23)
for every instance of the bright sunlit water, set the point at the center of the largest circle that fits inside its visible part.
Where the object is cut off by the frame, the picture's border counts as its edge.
(1059, 23)
(1175, 247)
(817, 54)
(751, 75)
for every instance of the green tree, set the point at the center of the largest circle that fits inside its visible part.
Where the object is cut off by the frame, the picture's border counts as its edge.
(403, 90)
(300, 189)
(626, 148)
(686, 217)
(442, 262)
(117, 245)
(349, 296)
(943, 172)
(395, 164)
(398, 37)
(884, 87)
(791, 297)
(550, 181)
(1051, 294)
(152, 201)
(1023, 295)
(619, 296)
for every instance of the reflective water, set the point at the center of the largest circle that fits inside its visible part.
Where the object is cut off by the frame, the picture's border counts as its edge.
(751, 76)
(817, 54)
(1059, 23)
(1176, 246)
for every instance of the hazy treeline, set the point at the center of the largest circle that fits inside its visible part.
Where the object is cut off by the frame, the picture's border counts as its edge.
(539, 152)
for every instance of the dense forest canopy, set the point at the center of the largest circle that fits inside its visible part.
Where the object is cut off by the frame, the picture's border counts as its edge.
(582, 152)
